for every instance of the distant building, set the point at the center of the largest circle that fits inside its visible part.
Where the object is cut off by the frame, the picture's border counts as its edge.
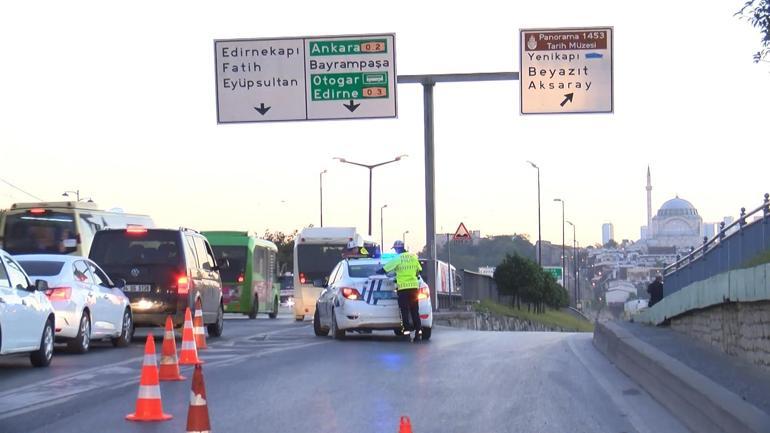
(729, 220)
(644, 233)
(487, 270)
(608, 232)
(710, 229)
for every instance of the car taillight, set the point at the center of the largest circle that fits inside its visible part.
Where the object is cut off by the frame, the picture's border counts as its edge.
(37, 211)
(59, 293)
(351, 293)
(241, 278)
(302, 279)
(182, 285)
(424, 293)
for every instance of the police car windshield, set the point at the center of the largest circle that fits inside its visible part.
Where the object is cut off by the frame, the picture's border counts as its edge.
(362, 270)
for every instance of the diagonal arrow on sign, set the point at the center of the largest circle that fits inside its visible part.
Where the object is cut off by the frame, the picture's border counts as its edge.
(351, 106)
(262, 109)
(567, 97)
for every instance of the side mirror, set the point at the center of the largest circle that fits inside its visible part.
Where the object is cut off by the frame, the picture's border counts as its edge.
(40, 285)
(120, 283)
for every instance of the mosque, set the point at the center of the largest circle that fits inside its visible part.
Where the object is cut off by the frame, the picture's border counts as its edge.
(677, 224)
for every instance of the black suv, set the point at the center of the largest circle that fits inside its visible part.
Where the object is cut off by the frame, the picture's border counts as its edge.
(165, 270)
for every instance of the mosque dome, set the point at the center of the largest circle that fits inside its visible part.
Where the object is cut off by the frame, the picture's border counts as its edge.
(677, 207)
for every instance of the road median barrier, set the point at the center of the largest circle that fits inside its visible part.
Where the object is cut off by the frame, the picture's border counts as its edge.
(701, 404)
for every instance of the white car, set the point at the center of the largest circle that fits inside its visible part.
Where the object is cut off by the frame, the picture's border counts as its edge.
(26, 315)
(356, 298)
(87, 303)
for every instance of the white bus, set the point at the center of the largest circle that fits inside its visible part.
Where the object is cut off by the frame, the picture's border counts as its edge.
(59, 227)
(317, 250)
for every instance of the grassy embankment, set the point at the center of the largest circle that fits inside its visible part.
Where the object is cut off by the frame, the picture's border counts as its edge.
(549, 318)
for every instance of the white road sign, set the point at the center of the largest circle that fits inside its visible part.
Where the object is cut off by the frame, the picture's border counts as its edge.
(566, 70)
(307, 78)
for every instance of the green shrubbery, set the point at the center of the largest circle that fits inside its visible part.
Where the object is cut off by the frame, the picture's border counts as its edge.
(526, 282)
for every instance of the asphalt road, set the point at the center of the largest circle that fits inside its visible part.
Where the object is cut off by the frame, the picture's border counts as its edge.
(276, 376)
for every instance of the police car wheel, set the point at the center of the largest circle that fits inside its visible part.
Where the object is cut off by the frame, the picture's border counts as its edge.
(317, 328)
(337, 333)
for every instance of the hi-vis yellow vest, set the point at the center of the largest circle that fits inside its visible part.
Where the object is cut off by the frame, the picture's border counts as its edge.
(406, 266)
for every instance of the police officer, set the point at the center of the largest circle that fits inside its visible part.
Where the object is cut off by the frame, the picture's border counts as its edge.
(407, 268)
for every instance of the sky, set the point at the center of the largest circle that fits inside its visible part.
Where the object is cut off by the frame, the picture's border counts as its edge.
(117, 100)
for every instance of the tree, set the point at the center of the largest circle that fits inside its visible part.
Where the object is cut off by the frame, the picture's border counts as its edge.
(525, 281)
(757, 13)
(611, 244)
(285, 244)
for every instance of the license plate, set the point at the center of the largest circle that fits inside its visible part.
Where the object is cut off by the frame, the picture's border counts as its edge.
(385, 295)
(137, 288)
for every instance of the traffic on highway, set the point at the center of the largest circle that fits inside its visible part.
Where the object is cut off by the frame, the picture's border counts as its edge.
(347, 217)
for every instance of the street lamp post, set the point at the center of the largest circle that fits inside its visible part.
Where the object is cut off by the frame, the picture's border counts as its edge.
(539, 232)
(321, 183)
(371, 168)
(382, 229)
(563, 247)
(403, 237)
(574, 271)
(76, 192)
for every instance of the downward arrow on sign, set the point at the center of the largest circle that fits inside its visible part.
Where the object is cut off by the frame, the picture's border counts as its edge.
(352, 106)
(262, 109)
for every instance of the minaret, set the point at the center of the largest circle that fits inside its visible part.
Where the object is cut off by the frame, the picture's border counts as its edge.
(649, 203)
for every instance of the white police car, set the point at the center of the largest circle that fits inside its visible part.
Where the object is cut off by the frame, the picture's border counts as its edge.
(356, 298)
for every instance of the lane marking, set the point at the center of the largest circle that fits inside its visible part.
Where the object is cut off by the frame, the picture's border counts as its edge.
(70, 386)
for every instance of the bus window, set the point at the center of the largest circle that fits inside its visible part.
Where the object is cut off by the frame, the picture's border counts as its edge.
(317, 261)
(260, 261)
(40, 232)
(237, 257)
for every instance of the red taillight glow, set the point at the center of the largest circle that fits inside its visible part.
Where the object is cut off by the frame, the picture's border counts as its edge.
(136, 230)
(37, 211)
(424, 293)
(241, 278)
(424, 316)
(351, 293)
(59, 293)
(183, 285)
(302, 279)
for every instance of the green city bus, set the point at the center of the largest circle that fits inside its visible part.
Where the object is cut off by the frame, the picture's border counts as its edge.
(250, 283)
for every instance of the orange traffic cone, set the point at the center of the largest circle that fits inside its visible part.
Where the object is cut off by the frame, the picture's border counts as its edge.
(169, 364)
(405, 426)
(148, 403)
(200, 333)
(198, 414)
(189, 353)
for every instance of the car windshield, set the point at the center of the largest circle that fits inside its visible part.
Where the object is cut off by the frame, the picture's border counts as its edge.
(362, 270)
(39, 268)
(43, 231)
(120, 247)
(237, 257)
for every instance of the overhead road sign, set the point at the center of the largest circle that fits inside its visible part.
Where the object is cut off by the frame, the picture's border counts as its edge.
(305, 78)
(567, 70)
(557, 272)
(462, 234)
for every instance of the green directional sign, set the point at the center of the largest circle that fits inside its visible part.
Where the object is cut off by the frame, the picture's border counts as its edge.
(557, 272)
(357, 85)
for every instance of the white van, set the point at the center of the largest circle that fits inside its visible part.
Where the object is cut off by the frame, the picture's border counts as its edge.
(59, 227)
(317, 250)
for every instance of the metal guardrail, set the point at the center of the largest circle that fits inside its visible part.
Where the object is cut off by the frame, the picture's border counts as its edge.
(732, 248)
